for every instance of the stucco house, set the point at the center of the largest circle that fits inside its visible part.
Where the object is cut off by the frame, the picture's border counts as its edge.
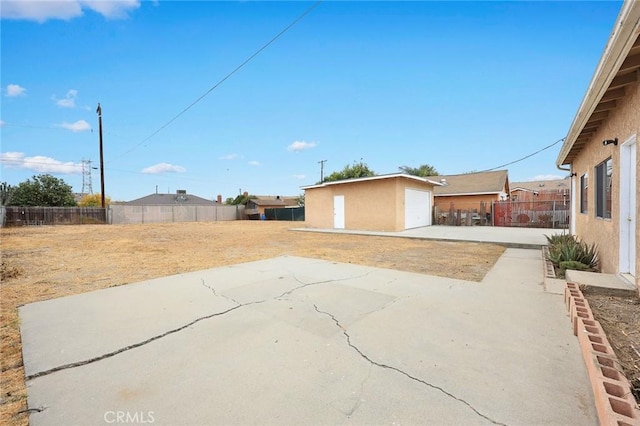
(601, 152)
(467, 191)
(392, 202)
(257, 206)
(558, 190)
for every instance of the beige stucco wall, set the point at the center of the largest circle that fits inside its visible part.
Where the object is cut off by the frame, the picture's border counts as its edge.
(622, 123)
(374, 205)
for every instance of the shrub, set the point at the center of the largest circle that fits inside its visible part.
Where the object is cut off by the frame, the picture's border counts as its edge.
(573, 253)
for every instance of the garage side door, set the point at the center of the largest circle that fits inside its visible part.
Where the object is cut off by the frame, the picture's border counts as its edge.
(417, 208)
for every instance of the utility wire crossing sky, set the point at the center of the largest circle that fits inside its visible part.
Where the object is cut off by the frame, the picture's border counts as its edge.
(461, 86)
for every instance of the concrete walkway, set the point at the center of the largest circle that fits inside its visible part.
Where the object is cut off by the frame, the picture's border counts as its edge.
(302, 341)
(510, 237)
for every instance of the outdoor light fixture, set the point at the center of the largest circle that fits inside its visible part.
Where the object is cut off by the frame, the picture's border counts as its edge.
(610, 141)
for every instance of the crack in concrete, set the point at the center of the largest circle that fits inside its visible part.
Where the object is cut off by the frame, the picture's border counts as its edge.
(213, 290)
(304, 284)
(404, 373)
(178, 329)
(175, 330)
(135, 345)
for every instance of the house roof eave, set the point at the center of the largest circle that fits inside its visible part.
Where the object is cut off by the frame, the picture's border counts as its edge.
(623, 36)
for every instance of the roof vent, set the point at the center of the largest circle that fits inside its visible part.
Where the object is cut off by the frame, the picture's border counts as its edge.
(443, 181)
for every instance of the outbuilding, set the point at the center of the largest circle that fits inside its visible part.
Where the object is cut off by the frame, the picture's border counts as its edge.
(392, 202)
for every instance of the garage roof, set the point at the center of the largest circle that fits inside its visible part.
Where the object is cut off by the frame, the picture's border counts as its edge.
(371, 178)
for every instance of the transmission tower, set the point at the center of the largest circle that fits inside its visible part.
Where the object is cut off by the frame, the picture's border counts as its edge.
(86, 177)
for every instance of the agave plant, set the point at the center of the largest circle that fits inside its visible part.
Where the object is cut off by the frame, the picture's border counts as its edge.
(568, 252)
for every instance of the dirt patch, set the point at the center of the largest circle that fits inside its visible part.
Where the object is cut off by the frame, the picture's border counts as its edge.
(620, 320)
(47, 262)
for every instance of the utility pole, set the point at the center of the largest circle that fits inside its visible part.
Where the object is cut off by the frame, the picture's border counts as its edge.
(321, 162)
(99, 112)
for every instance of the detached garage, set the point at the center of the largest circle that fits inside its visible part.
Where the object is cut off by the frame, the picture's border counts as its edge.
(392, 202)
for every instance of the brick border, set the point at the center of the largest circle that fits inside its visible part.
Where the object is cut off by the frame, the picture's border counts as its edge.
(615, 403)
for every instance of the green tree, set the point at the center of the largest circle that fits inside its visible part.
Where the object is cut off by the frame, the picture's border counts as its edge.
(93, 200)
(423, 170)
(6, 193)
(43, 191)
(240, 199)
(357, 170)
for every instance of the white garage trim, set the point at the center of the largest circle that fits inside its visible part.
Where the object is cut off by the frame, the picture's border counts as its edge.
(417, 208)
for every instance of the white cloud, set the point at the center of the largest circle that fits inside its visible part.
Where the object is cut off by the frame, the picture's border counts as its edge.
(301, 146)
(545, 177)
(118, 9)
(69, 100)
(1, 123)
(254, 163)
(164, 168)
(14, 90)
(78, 126)
(41, 11)
(299, 177)
(229, 157)
(39, 163)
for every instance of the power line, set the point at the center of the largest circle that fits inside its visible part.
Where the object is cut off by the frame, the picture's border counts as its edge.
(236, 69)
(523, 158)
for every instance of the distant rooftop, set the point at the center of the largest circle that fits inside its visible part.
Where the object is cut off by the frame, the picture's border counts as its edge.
(181, 197)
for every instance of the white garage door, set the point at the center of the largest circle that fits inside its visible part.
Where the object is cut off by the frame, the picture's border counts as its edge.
(417, 208)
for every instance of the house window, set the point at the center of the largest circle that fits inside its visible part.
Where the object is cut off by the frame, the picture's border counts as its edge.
(604, 172)
(584, 185)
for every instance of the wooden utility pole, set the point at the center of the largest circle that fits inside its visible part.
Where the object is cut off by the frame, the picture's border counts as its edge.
(321, 162)
(99, 112)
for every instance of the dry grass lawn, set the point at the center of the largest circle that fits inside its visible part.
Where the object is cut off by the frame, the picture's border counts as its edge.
(40, 263)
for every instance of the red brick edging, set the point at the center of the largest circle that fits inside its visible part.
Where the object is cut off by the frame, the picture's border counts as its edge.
(615, 403)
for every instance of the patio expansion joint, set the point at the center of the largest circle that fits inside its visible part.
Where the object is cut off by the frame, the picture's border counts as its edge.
(400, 371)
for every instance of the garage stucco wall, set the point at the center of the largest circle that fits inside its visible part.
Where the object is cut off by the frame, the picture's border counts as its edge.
(372, 205)
(622, 123)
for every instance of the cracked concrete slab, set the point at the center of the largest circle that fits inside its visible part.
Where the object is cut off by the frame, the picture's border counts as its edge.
(304, 341)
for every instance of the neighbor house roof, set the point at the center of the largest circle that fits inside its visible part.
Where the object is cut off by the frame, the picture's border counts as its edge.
(619, 66)
(541, 185)
(171, 199)
(373, 178)
(481, 183)
(273, 202)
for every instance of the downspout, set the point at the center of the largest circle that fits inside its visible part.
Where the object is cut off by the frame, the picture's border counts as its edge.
(572, 217)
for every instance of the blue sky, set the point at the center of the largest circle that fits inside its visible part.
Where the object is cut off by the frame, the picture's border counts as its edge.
(462, 86)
